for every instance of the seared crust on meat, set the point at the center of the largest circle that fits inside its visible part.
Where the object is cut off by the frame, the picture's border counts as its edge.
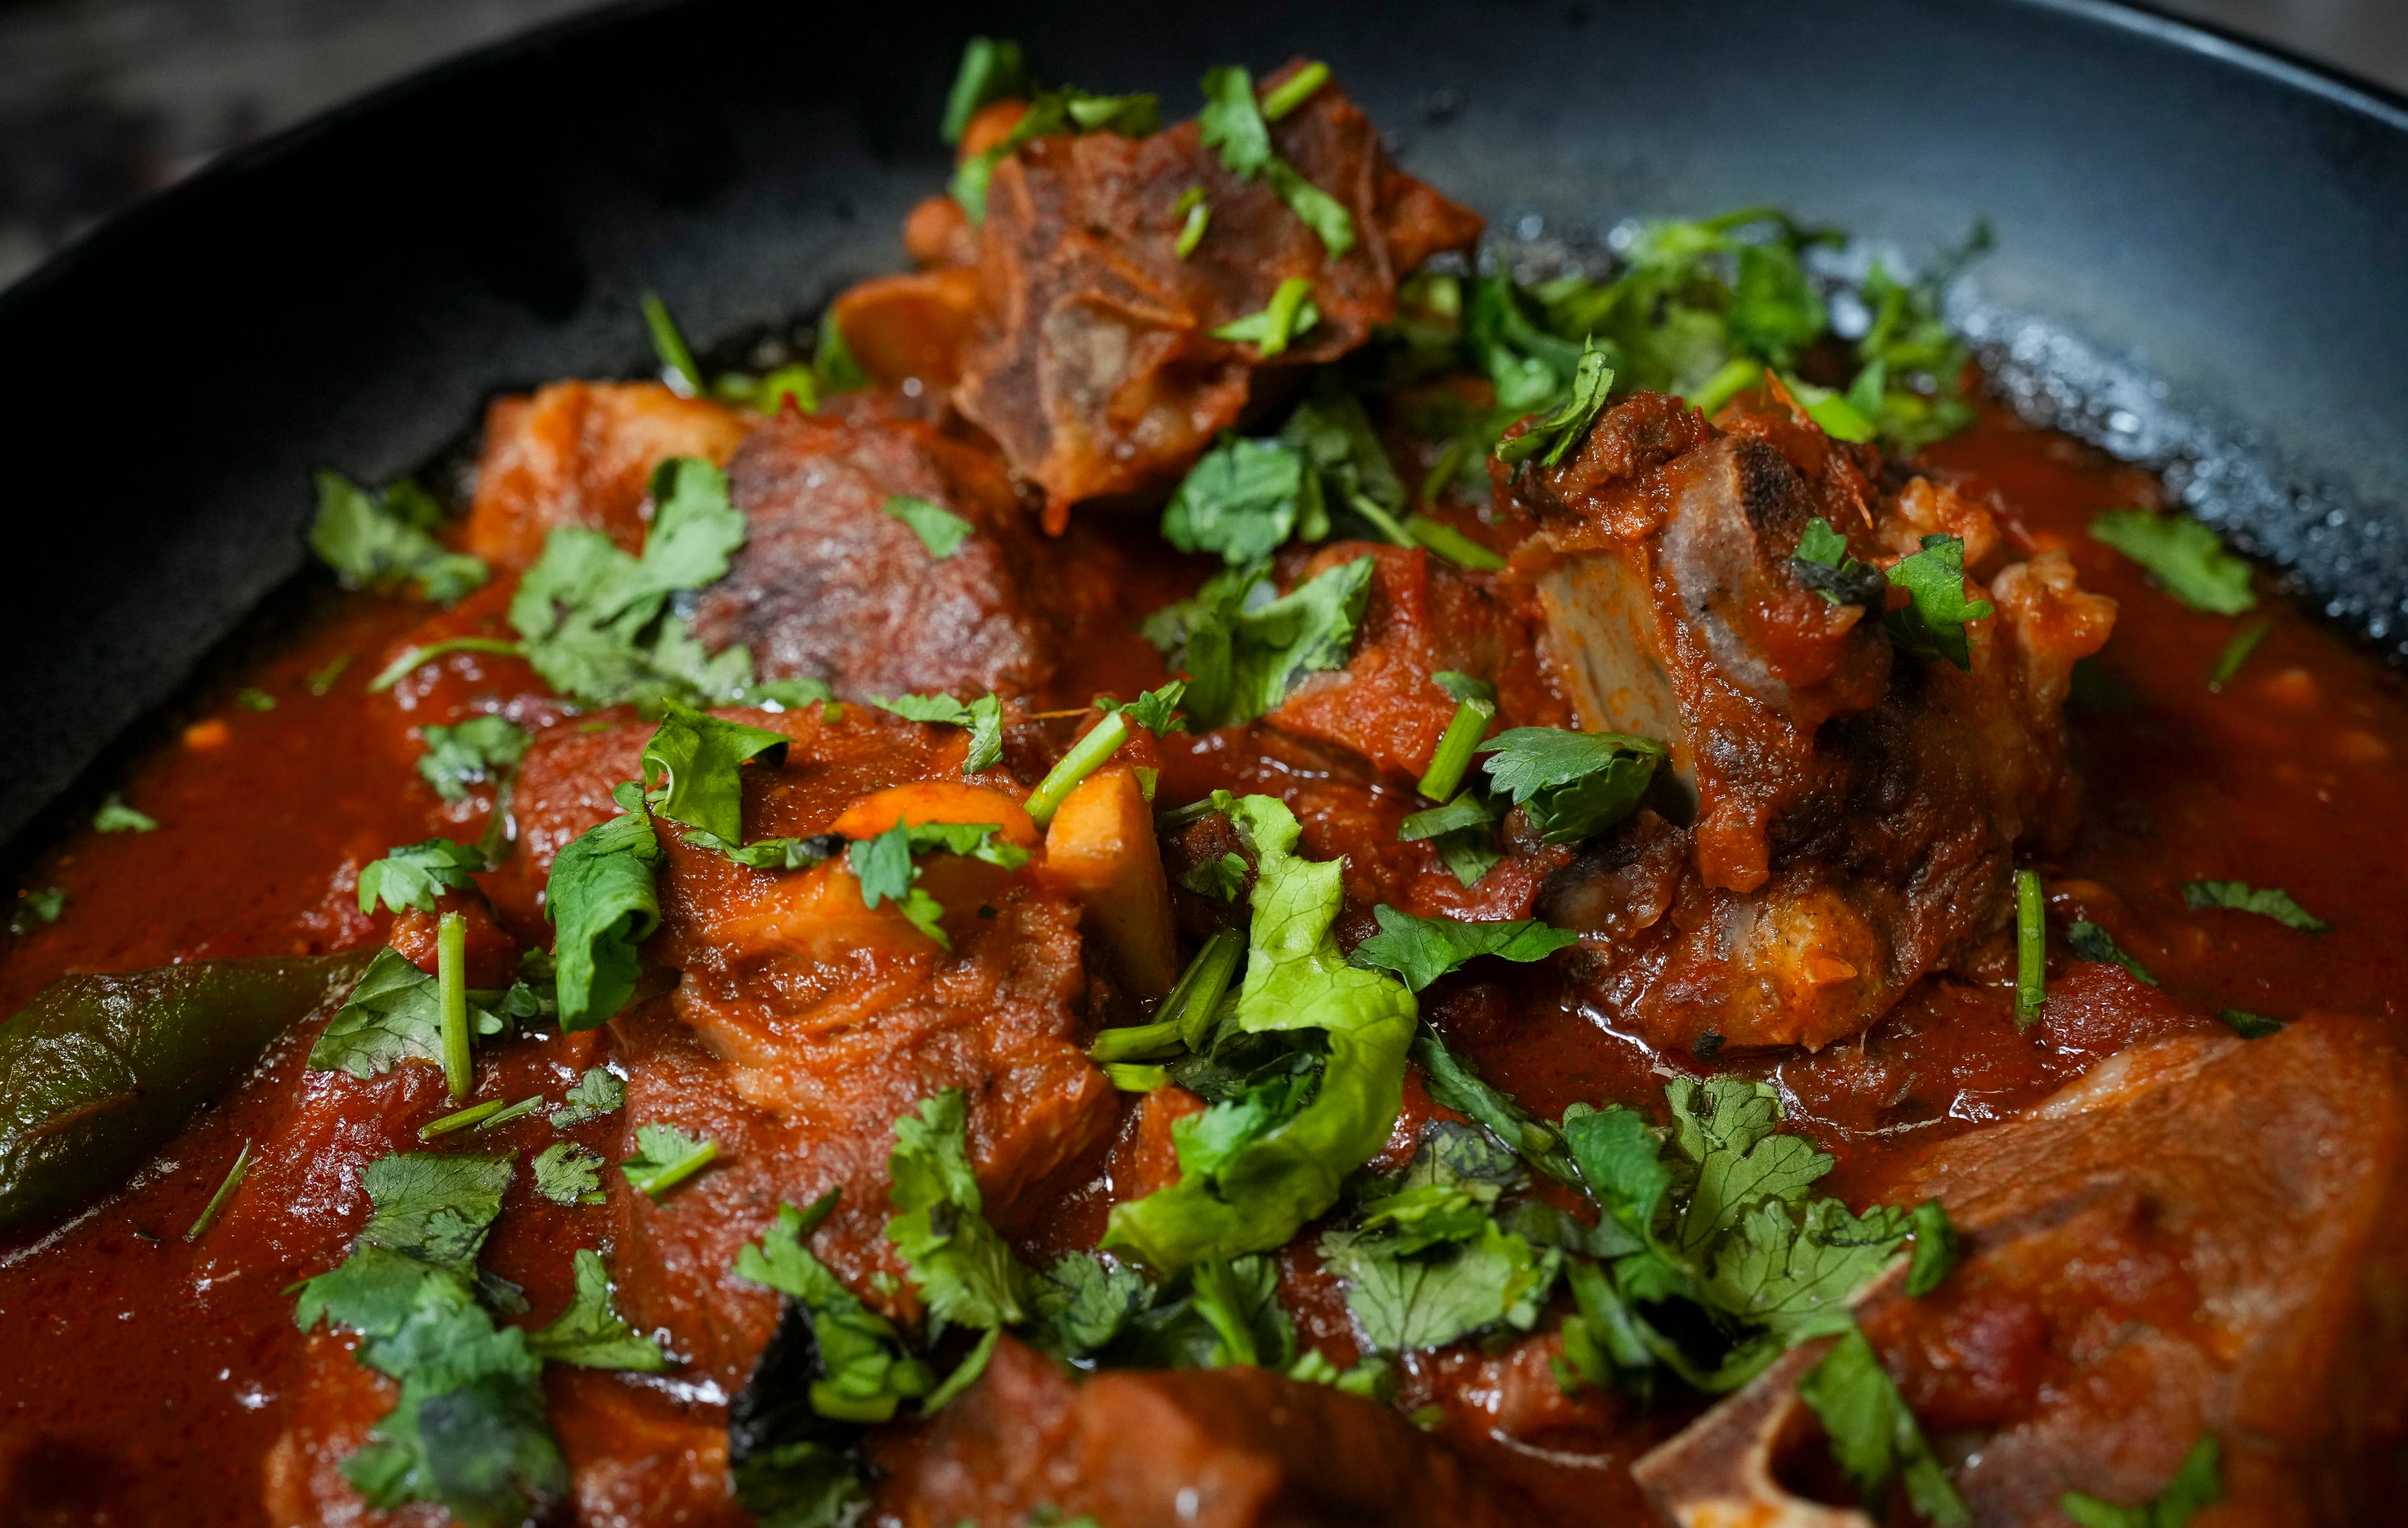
(1857, 810)
(1093, 364)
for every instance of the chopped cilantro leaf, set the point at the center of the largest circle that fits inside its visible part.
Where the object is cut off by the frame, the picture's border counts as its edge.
(1873, 1436)
(1931, 624)
(252, 698)
(590, 1332)
(1247, 1189)
(1823, 565)
(413, 877)
(1427, 1263)
(373, 542)
(865, 1369)
(960, 1265)
(1464, 834)
(594, 1094)
(2093, 943)
(2265, 901)
(1422, 949)
(785, 853)
(2186, 557)
(1155, 710)
(939, 530)
(1223, 880)
(1936, 1248)
(394, 1015)
(468, 1428)
(36, 908)
(2198, 1483)
(1086, 1300)
(1237, 1298)
(1243, 651)
(602, 904)
(1289, 313)
(1232, 121)
(882, 865)
(1571, 784)
(477, 750)
(1836, 414)
(2250, 1026)
(1243, 499)
(115, 816)
(692, 769)
(1551, 439)
(983, 716)
(1714, 1213)
(596, 622)
(1050, 112)
(665, 1157)
(1455, 1085)
(992, 70)
(569, 1174)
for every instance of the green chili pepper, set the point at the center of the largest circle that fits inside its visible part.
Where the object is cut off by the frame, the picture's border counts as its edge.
(97, 1071)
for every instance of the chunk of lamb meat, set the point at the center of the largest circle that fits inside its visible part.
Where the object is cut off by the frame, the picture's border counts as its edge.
(1094, 363)
(583, 453)
(830, 586)
(1858, 811)
(1234, 1448)
(1421, 617)
(802, 1023)
(2203, 1236)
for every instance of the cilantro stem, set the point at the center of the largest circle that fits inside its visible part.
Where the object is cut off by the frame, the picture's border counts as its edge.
(324, 679)
(518, 1111)
(677, 362)
(1135, 1042)
(1453, 756)
(1198, 214)
(401, 667)
(1382, 521)
(1296, 90)
(2031, 949)
(1736, 376)
(668, 1175)
(2236, 652)
(1449, 467)
(1131, 1077)
(451, 993)
(234, 1177)
(475, 1114)
(1085, 757)
(1452, 544)
(1196, 996)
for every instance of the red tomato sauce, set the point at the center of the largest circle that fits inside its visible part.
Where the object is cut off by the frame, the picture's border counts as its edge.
(166, 1369)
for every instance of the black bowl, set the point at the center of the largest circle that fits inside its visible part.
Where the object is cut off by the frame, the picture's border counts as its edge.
(2200, 258)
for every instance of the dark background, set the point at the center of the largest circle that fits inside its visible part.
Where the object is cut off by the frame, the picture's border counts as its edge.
(104, 100)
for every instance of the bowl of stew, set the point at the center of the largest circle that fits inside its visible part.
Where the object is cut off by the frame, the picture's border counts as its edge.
(1451, 766)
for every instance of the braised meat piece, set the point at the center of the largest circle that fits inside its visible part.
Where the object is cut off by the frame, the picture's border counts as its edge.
(2202, 1237)
(1233, 1447)
(1094, 363)
(802, 1023)
(831, 585)
(583, 453)
(1858, 805)
(1421, 617)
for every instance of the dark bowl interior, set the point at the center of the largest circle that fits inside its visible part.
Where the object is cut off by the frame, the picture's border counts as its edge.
(2222, 225)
